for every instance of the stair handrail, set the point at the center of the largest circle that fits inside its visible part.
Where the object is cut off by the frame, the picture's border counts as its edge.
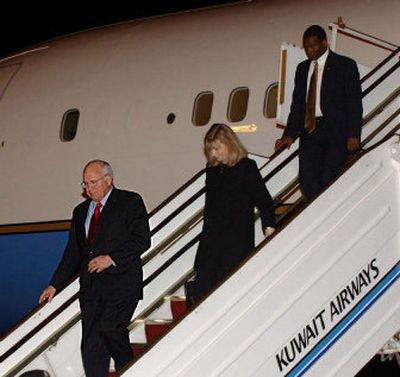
(380, 65)
(176, 193)
(379, 80)
(341, 28)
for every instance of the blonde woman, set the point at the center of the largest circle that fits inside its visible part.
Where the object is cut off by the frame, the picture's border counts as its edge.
(234, 187)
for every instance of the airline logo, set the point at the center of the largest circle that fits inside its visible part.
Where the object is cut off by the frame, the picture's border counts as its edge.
(335, 319)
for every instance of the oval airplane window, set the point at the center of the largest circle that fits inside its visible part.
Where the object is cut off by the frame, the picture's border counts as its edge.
(202, 108)
(237, 106)
(271, 101)
(69, 125)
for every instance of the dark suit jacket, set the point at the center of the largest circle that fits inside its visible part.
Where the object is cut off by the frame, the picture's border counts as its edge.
(341, 102)
(123, 233)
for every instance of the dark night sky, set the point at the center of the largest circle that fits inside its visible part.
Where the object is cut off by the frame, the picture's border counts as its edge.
(26, 23)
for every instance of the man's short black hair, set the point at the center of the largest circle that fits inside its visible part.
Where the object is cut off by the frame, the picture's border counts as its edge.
(314, 31)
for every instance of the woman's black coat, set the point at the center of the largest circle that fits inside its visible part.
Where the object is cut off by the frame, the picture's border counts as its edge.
(232, 193)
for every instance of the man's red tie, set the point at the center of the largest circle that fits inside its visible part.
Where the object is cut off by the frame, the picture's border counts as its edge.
(93, 223)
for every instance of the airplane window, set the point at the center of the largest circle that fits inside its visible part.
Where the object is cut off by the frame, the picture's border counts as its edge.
(237, 106)
(202, 108)
(69, 125)
(271, 101)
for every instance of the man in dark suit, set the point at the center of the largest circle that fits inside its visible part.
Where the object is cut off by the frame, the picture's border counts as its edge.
(106, 251)
(327, 117)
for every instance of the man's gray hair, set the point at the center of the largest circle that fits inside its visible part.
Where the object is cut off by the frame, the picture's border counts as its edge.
(107, 169)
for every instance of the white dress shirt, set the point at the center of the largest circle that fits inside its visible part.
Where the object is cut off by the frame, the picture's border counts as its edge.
(321, 65)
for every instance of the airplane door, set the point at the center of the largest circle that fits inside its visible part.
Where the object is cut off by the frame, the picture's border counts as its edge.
(291, 56)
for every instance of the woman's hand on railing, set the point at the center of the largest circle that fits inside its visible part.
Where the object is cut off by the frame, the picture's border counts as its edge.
(268, 231)
(353, 144)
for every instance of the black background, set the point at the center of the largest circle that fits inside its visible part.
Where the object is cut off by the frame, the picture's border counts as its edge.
(23, 24)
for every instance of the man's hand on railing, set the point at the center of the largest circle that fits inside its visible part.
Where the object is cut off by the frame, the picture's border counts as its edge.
(47, 295)
(284, 141)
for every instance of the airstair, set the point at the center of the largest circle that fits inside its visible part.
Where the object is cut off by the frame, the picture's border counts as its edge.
(319, 298)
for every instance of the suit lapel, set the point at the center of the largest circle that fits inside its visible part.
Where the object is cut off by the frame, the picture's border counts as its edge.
(80, 222)
(326, 77)
(106, 214)
(305, 78)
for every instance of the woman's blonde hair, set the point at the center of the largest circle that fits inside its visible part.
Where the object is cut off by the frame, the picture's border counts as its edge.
(224, 134)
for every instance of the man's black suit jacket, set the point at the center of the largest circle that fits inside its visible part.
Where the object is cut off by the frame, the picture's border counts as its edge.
(341, 101)
(123, 233)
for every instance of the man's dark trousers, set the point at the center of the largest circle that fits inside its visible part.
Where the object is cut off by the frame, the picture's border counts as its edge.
(105, 334)
(321, 157)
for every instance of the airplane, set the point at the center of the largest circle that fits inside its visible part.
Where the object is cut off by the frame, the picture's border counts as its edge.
(141, 95)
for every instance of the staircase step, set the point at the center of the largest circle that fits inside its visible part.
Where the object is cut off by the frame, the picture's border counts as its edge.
(155, 328)
(137, 333)
(138, 349)
(162, 312)
(282, 208)
(178, 306)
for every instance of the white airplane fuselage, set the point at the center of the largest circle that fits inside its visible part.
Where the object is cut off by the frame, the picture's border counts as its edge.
(126, 79)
